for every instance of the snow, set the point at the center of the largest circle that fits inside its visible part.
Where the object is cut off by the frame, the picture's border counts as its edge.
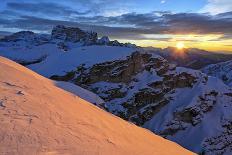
(82, 93)
(58, 62)
(187, 98)
(39, 118)
(221, 70)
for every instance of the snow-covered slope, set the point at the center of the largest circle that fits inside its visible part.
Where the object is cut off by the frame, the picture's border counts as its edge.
(180, 104)
(36, 117)
(222, 71)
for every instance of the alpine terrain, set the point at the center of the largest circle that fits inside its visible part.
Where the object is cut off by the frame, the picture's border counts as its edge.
(39, 118)
(180, 104)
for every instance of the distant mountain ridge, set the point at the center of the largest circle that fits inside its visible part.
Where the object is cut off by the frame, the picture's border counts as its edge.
(191, 57)
(62, 36)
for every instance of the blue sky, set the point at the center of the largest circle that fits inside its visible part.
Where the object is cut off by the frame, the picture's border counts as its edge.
(139, 21)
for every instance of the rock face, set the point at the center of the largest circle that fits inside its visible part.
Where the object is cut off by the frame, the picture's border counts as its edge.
(104, 40)
(220, 70)
(171, 101)
(71, 34)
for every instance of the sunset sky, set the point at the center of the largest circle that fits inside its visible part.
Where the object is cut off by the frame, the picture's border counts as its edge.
(205, 24)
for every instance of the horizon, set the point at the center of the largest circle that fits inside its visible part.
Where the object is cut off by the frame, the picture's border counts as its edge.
(204, 24)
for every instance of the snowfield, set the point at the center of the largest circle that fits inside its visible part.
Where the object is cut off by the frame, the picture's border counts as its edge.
(37, 117)
(59, 62)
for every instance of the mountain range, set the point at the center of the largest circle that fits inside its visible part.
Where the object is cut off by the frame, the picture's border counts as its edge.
(191, 57)
(151, 88)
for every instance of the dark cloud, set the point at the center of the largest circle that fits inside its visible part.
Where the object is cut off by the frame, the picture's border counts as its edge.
(181, 23)
(198, 23)
(44, 8)
(131, 25)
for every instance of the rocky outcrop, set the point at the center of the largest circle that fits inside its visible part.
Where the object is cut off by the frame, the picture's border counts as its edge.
(104, 40)
(116, 43)
(73, 34)
(63, 46)
(220, 70)
(120, 70)
(26, 63)
(144, 103)
(191, 115)
(222, 143)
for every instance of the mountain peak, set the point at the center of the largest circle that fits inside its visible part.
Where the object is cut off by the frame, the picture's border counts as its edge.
(72, 34)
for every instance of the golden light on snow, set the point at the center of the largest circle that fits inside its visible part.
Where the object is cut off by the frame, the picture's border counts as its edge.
(180, 45)
(75, 125)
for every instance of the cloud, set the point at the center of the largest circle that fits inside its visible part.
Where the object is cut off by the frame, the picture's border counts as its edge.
(163, 1)
(198, 23)
(45, 8)
(132, 26)
(217, 6)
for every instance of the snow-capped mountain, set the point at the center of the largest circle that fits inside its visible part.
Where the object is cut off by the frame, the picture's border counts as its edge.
(39, 118)
(221, 70)
(180, 104)
(191, 57)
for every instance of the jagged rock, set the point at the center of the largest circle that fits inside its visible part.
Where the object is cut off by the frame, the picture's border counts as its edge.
(151, 100)
(74, 34)
(104, 40)
(62, 46)
(67, 33)
(120, 70)
(222, 143)
(115, 43)
(221, 70)
(91, 38)
(130, 45)
(192, 115)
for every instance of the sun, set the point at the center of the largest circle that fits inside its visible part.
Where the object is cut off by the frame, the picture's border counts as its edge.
(180, 45)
